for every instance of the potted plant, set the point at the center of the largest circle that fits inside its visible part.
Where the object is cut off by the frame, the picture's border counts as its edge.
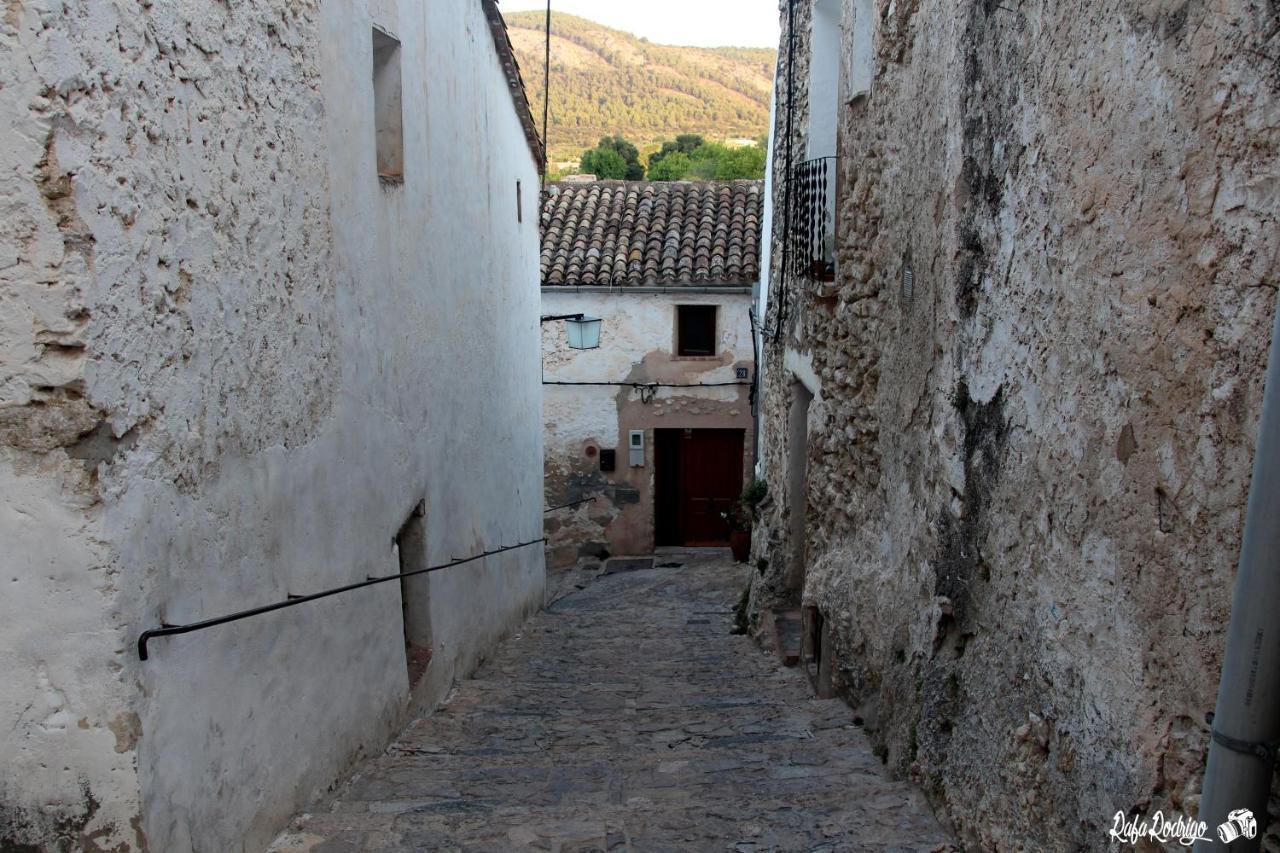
(739, 531)
(739, 517)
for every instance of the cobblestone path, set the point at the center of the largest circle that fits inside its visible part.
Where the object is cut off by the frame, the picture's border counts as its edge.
(628, 717)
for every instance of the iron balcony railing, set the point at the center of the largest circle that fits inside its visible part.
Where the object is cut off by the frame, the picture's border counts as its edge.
(812, 230)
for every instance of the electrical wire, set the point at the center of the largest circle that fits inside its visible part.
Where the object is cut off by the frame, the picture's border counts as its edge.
(753, 397)
(755, 359)
(546, 98)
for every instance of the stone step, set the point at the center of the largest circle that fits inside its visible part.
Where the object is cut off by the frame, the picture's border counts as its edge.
(784, 631)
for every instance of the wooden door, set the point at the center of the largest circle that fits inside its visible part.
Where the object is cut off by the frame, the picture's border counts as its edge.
(703, 477)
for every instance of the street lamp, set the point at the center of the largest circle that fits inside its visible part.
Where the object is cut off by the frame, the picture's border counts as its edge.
(584, 331)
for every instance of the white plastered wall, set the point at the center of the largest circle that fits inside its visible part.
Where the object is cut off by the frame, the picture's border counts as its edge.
(282, 357)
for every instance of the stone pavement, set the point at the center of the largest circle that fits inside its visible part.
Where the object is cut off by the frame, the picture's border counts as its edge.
(627, 717)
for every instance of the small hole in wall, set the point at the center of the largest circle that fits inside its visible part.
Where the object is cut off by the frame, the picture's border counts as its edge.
(519, 203)
(591, 450)
(387, 116)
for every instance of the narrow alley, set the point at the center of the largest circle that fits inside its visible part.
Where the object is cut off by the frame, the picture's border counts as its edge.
(628, 716)
(385, 386)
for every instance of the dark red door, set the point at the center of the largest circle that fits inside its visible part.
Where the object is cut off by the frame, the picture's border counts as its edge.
(700, 479)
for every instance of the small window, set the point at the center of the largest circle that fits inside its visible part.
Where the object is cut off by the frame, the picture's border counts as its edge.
(862, 58)
(519, 204)
(824, 78)
(388, 118)
(695, 330)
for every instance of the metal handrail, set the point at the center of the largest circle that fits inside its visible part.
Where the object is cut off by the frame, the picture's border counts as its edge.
(294, 600)
(166, 630)
(571, 503)
(649, 384)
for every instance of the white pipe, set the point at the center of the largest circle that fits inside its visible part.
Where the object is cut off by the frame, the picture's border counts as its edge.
(1246, 723)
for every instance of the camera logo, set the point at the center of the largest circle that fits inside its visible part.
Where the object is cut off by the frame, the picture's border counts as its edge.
(1174, 828)
(1239, 824)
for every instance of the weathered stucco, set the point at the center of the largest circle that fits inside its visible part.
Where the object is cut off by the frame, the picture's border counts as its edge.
(231, 363)
(1027, 476)
(636, 345)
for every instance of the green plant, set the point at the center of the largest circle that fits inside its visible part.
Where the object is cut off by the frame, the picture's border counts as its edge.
(605, 164)
(740, 513)
(754, 493)
(685, 143)
(673, 167)
(737, 517)
(691, 158)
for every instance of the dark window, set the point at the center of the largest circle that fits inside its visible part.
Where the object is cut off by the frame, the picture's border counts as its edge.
(695, 330)
(608, 459)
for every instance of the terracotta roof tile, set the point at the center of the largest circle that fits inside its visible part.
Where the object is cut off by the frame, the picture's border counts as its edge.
(652, 233)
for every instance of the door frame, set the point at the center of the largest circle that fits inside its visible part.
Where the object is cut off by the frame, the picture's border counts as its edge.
(667, 454)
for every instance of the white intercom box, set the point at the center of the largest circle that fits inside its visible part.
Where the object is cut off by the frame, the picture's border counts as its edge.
(635, 444)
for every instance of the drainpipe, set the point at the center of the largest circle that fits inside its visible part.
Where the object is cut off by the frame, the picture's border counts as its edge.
(1246, 722)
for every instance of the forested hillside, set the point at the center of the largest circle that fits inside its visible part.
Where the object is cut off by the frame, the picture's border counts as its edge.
(607, 82)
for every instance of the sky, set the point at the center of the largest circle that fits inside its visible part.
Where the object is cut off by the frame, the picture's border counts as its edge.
(706, 23)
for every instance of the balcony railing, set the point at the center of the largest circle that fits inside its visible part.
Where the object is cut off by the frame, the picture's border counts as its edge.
(812, 229)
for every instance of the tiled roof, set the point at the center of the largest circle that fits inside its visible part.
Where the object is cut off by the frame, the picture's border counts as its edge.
(659, 233)
(507, 56)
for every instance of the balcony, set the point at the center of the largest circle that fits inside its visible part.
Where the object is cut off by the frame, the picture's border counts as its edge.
(812, 229)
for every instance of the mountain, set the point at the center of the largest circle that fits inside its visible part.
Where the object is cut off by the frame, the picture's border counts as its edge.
(607, 82)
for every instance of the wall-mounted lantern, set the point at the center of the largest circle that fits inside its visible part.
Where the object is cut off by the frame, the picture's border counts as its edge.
(584, 331)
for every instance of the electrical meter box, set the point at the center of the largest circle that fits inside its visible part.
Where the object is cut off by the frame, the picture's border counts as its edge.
(635, 446)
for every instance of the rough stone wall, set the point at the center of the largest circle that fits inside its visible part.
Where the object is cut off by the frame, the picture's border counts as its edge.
(231, 363)
(636, 345)
(770, 545)
(1028, 478)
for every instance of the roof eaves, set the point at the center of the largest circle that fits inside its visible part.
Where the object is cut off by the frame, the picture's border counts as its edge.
(515, 83)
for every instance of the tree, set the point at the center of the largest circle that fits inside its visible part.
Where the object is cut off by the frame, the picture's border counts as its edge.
(604, 163)
(745, 162)
(706, 161)
(614, 159)
(689, 142)
(685, 143)
(672, 167)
